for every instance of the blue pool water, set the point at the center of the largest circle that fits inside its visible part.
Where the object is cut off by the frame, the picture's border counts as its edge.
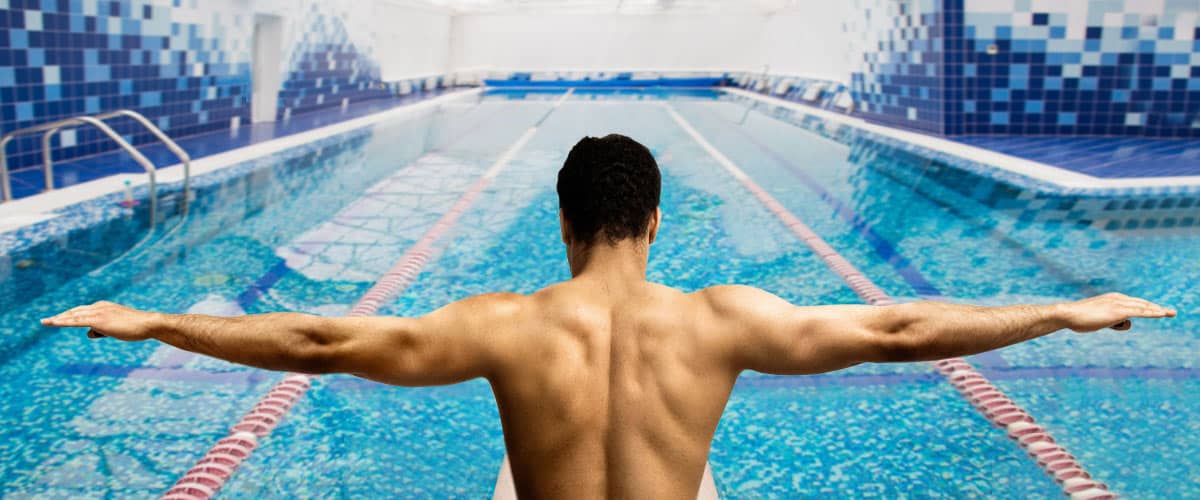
(310, 229)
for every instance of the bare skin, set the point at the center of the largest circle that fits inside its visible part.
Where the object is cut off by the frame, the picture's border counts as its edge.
(609, 386)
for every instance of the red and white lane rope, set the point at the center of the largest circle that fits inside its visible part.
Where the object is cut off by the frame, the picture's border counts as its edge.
(212, 471)
(1001, 411)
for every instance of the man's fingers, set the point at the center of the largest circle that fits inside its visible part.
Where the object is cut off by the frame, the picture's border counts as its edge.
(93, 334)
(1143, 309)
(76, 310)
(1124, 325)
(70, 319)
(59, 320)
(1167, 311)
(1147, 305)
(1154, 311)
(69, 313)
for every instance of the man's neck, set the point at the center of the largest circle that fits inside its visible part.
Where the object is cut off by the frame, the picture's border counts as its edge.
(614, 265)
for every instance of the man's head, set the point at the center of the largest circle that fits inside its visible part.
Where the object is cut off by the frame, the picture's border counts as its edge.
(608, 191)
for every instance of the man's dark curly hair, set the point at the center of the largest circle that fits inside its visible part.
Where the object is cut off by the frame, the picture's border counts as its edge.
(608, 187)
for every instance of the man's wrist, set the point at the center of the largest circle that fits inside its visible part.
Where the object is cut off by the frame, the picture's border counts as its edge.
(1060, 314)
(157, 325)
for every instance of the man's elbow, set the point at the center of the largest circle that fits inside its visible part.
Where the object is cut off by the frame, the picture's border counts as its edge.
(903, 346)
(312, 362)
(313, 351)
(901, 333)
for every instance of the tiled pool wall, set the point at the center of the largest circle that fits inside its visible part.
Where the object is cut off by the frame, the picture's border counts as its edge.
(185, 64)
(1044, 67)
(1025, 206)
(1025, 199)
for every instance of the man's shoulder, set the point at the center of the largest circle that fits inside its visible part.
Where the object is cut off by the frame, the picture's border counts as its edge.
(511, 306)
(495, 299)
(496, 306)
(726, 298)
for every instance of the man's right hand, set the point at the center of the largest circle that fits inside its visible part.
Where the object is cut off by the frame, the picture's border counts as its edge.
(1111, 310)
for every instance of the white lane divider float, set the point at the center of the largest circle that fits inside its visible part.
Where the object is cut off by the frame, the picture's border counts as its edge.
(1001, 411)
(211, 472)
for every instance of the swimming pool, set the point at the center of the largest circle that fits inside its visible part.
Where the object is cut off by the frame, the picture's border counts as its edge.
(311, 229)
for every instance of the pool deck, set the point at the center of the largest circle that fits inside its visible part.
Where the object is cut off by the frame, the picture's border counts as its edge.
(1106, 157)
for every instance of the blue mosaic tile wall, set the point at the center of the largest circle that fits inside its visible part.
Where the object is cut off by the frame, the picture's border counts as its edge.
(1102, 67)
(185, 64)
(327, 67)
(1112, 68)
(62, 58)
(900, 78)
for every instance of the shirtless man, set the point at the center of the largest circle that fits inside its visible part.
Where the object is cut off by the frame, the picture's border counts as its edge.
(609, 386)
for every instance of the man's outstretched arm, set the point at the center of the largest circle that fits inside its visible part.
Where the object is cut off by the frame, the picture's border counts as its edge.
(773, 336)
(455, 343)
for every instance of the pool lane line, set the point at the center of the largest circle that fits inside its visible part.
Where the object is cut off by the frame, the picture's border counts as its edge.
(215, 468)
(883, 247)
(1001, 411)
(276, 272)
(280, 269)
(1049, 266)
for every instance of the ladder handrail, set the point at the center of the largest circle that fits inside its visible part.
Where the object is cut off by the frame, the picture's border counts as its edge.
(184, 158)
(171, 145)
(5, 181)
(138, 157)
(51, 128)
(112, 134)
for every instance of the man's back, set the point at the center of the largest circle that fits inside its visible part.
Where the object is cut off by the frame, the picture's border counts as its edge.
(610, 393)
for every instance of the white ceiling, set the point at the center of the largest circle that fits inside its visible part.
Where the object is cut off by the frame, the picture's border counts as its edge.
(623, 6)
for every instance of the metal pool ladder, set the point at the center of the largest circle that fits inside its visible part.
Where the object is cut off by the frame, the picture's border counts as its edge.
(51, 128)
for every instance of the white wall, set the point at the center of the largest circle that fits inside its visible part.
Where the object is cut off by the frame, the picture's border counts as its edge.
(406, 37)
(809, 41)
(554, 41)
(411, 39)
